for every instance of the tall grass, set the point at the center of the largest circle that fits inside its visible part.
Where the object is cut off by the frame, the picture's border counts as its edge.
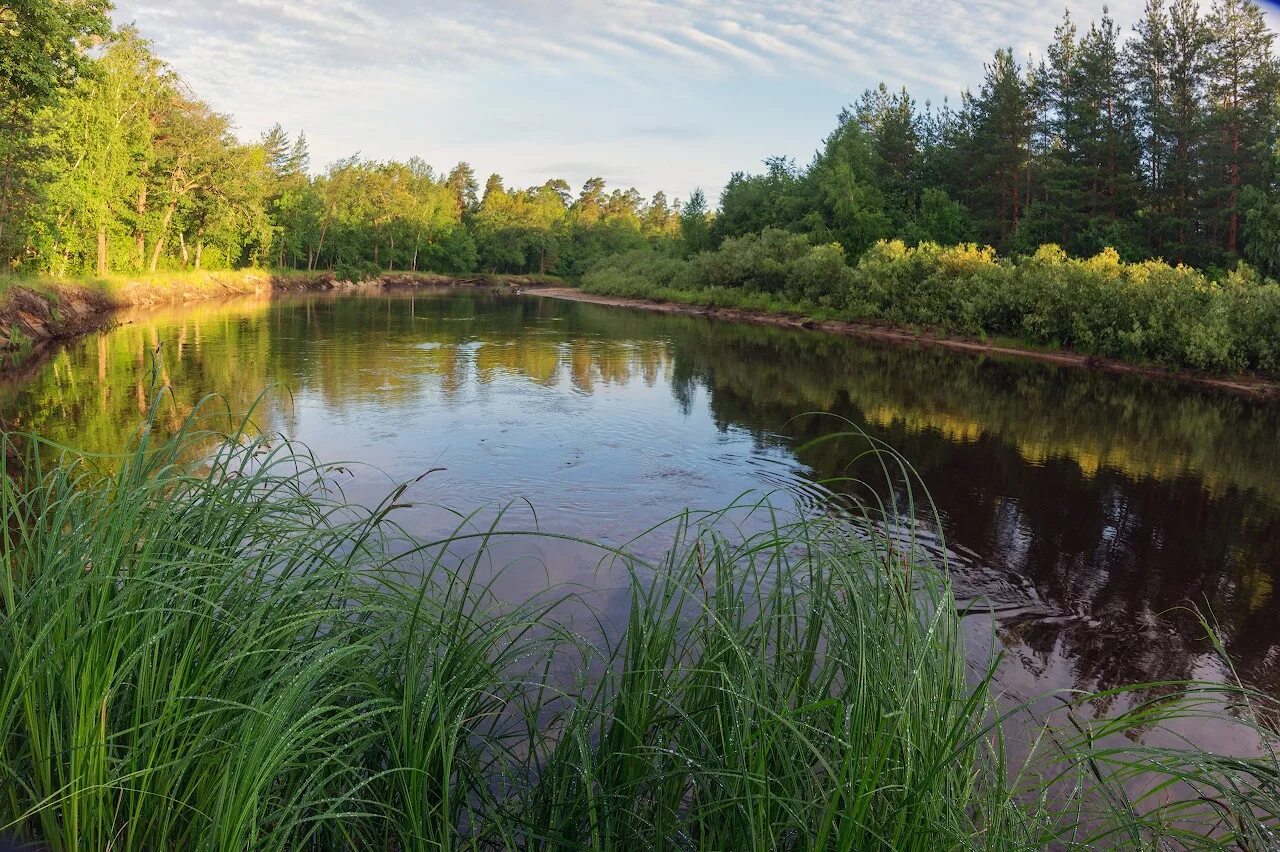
(210, 649)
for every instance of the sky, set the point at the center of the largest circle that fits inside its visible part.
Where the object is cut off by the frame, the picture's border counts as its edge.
(656, 94)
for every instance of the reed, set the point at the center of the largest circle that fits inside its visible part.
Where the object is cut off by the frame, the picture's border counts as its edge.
(211, 649)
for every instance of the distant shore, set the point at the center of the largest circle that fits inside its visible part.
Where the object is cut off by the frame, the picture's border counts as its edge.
(1247, 385)
(35, 314)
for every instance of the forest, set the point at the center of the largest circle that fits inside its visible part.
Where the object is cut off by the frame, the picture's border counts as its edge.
(1138, 157)
(109, 163)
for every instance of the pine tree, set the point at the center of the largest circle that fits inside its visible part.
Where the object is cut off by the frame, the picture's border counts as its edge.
(1242, 96)
(1001, 121)
(299, 160)
(1059, 207)
(1189, 39)
(1147, 61)
(275, 144)
(1107, 143)
(695, 233)
(462, 181)
(891, 123)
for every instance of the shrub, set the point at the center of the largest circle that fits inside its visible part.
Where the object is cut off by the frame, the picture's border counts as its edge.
(820, 276)
(1147, 311)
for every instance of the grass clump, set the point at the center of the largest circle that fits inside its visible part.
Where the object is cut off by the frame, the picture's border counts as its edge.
(210, 649)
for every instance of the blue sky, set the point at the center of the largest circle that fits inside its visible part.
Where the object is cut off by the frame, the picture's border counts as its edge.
(656, 94)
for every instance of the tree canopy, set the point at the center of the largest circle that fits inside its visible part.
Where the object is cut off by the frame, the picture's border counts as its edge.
(1159, 143)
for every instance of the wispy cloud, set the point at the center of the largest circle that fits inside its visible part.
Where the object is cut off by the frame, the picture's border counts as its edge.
(729, 80)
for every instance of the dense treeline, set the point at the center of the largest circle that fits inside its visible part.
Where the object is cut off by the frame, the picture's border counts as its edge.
(1156, 145)
(1151, 156)
(1161, 145)
(108, 163)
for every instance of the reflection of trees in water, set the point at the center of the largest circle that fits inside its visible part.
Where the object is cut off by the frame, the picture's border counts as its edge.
(1117, 498)
(349, 351)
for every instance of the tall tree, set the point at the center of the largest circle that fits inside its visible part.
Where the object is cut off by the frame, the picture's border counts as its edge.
(1242, 91)
(41, 57)
(1000, 120)
(1109, 145)
(695, 230)
(1188, 40)
(193, 145)
(100, 137)
(891, 123)
(843, 181)
(462, 182)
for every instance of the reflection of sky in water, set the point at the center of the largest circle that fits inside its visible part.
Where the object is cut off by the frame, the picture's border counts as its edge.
(606, 464)
(1082, 508)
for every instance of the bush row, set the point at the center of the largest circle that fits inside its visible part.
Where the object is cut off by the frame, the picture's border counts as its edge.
(1147, 312)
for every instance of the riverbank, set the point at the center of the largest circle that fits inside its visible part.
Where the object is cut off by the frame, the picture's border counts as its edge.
(35, 314)
(1247, 385)
(278, 674)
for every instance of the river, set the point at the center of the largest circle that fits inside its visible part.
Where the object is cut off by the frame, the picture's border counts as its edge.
(1084, 509)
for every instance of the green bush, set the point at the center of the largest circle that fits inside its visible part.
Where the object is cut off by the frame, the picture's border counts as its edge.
(1145, 312)
(820, 276)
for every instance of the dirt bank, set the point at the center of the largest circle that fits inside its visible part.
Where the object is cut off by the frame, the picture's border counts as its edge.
(1248, 385)
(31, 319)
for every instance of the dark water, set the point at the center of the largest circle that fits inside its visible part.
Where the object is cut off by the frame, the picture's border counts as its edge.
(1085, 509)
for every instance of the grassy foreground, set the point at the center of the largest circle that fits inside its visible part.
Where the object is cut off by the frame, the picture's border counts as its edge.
(211, 650)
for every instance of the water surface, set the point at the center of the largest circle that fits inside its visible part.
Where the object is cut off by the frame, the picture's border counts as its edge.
(1085, 509)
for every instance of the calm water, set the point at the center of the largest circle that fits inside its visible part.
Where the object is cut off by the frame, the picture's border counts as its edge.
(1083, 508)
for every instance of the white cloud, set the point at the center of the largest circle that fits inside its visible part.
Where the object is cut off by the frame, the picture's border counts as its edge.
(391, 77)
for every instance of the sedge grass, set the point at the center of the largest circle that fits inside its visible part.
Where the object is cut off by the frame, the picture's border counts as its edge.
(209, 649)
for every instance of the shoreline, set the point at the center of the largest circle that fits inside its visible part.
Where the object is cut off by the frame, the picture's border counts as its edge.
(36, 316)
(1251, 386)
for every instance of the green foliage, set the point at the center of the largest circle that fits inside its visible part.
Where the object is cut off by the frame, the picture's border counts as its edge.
(42, 56)
(1148, 312)
(1161, 145)
(126, 172)
(843, 180)
(1158, 145)
(44, 46)
(940, 220)
(695, 232)
(750, 203)
(1262, 228)
(754, 262)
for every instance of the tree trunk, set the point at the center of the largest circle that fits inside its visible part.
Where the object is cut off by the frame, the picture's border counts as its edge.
(199, 251)
(164, 227)
(182, 246)
(4, 195)
(102, 251)
(140, 238)
(1233, 199)
(324, 226)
